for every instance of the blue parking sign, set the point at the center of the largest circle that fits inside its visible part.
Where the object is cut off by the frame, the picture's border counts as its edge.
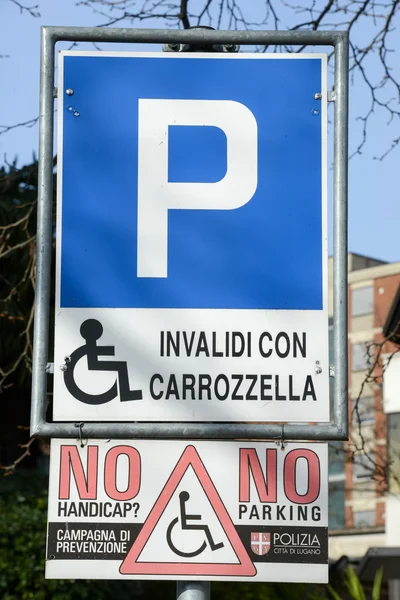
(192, 182)
(191, 238)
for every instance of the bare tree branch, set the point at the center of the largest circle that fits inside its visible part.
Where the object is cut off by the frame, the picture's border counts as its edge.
(371, 24)
(31, 10)
(183, 14)
(370, 52)
(7, 128)
(359, 446)
(9, 469)
(395, 143)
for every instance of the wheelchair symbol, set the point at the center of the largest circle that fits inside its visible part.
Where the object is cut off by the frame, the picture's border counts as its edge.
(91, 330)
(186, 526)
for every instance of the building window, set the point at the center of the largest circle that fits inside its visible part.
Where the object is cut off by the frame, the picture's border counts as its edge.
(363, 467)
(336, 457)
(364, 518)
(336, 478)
(359, 357)
(366, 409)
(336, 504)
(362, 301)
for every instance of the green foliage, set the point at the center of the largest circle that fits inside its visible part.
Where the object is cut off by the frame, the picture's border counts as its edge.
(22, 554)
(376, 590)
(18, 204)
(354, 586)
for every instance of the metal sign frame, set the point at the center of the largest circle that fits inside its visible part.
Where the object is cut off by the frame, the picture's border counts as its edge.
(337, 428)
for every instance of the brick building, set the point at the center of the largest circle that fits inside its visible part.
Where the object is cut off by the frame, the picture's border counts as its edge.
(357, 469)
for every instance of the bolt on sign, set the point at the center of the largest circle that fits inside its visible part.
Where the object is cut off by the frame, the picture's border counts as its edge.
(168, 510)
(192, 238)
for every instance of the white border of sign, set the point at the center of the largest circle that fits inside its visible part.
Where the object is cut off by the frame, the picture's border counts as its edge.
(110, 413)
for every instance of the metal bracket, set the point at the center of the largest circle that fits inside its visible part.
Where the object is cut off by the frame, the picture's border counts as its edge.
(281, 442)
(80, 427)
(331, 96)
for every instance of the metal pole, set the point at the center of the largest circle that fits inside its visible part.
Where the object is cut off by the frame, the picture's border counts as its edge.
(193, 36)
(193, 590)
(340, 232)
(394, 589)
(44, 230)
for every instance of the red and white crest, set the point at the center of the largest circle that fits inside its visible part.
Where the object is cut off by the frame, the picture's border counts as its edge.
(260, 543)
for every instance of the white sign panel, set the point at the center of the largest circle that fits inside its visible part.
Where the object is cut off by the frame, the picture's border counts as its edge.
(391, 385)
(192, 238)
(238, 511)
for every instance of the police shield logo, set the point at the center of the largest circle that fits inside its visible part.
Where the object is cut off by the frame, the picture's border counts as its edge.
(260, 543)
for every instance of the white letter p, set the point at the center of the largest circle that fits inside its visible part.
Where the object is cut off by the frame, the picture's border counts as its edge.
(156, 195)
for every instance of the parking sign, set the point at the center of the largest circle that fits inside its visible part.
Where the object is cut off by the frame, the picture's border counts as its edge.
(192, 238)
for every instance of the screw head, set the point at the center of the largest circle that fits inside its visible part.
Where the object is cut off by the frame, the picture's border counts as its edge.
(63, 367)
(315, 111)
(317, 96)
(69, 92)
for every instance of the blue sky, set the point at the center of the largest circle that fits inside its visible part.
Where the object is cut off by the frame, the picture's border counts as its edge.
(374, 198)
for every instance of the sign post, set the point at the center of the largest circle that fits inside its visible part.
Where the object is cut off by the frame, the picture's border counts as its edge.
(191, 303)
(201, 590)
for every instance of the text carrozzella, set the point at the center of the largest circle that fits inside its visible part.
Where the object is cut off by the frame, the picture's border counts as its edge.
(236, 386)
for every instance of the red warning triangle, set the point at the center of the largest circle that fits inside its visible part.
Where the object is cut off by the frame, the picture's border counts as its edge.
(132, 566)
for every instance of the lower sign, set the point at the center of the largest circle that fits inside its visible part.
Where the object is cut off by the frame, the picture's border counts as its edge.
(188, 510)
